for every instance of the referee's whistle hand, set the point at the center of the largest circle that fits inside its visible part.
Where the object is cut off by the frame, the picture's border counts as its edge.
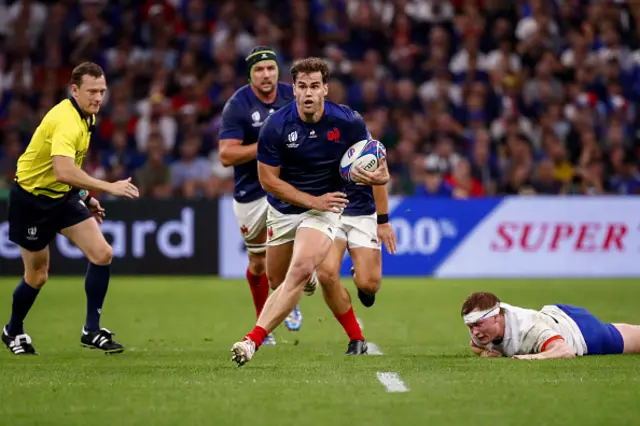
(124, 188)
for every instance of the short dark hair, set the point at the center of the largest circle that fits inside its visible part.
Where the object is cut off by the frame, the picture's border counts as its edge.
(310, 65)
(480, 300)
(86, 68)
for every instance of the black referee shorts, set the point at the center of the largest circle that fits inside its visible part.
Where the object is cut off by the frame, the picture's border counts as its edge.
(34, 220)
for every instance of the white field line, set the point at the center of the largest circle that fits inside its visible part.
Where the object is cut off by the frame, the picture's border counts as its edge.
(392, 382)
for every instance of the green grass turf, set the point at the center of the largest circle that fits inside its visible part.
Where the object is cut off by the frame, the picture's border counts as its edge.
(178, 369)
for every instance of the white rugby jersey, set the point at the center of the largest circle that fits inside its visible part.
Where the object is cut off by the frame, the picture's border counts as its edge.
(526, 331)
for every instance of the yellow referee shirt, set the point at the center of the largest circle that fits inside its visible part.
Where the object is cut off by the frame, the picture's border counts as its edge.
(66, 131)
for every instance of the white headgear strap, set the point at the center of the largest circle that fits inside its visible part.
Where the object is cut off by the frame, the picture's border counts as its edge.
(474, 317)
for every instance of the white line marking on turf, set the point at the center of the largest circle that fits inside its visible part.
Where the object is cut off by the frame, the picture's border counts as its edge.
(373, 349)
(392, 382)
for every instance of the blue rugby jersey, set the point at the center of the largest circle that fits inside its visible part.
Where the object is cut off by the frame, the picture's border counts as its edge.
(242, 118)
(309, 154)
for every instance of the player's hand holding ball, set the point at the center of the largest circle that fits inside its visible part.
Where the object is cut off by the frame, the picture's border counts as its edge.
(378, 177)
(365, 163)
(334, 202)
(124, 188)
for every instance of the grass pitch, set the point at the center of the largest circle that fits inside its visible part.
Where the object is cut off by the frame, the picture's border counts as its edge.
(177, 370)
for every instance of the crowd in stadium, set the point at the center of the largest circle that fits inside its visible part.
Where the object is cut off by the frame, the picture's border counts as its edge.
(471, 97)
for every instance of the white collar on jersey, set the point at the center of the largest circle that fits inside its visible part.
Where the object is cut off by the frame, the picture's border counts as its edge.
(475, 316)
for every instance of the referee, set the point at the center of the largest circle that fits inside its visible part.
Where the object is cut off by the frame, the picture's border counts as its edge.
(50, 195)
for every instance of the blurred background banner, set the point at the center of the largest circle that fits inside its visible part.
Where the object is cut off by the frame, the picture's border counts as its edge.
(507, 237)
(549, 237)
(428, 232)
(149, 237)
(233, 254)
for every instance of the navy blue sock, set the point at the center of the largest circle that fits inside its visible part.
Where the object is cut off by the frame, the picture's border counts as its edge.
(23, 298)
(95, 285)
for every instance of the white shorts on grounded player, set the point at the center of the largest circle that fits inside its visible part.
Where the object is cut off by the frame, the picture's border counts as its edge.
(359, 231)
(281, 228)
(251, 217)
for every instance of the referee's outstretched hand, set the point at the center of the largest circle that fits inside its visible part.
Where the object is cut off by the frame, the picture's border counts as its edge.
(124, 188)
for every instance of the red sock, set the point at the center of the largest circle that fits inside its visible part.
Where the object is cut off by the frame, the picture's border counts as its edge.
(350, 324)
(259, 285)
(257, 336)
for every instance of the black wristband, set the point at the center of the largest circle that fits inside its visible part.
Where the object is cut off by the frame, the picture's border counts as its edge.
(383, 218)
(86, 200)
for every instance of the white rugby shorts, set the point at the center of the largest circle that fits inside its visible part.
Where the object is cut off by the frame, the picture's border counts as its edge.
(359, 231)
(251, 217)
(281, 228)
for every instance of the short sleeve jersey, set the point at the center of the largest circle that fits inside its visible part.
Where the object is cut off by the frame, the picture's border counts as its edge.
(65, 131)
(528, 331)
(309, 154)
(242, 117)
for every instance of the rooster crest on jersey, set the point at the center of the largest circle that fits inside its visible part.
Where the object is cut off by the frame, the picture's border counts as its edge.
(365, 154)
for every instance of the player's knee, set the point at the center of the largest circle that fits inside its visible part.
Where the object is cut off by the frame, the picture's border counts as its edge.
(274, 282)
(37, 277)
(369, 283)
(101, 255)
(301, 271)
(275, 274)
(327, 277)
(256, 264)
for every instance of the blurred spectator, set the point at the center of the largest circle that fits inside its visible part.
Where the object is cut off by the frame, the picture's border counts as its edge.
(444, 158)
(462, 181)
(483, 166)
(191, 173)
(546, 182)
(120, 160)
(433, 184)
(154, 177)
(627, 180)
(469, 97)
(11, 149)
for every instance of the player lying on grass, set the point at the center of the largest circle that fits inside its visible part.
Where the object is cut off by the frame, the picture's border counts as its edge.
(556, 331)
(299, 152)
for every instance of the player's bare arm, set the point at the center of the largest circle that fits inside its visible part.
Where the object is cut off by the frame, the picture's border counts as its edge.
(556, 349)
(270, 180)
(233, 152)
(385, 230)
(67, 172)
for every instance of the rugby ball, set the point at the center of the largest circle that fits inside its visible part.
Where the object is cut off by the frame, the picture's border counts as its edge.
(365, 154)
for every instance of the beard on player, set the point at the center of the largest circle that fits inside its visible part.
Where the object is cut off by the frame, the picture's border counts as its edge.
(264, 77)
